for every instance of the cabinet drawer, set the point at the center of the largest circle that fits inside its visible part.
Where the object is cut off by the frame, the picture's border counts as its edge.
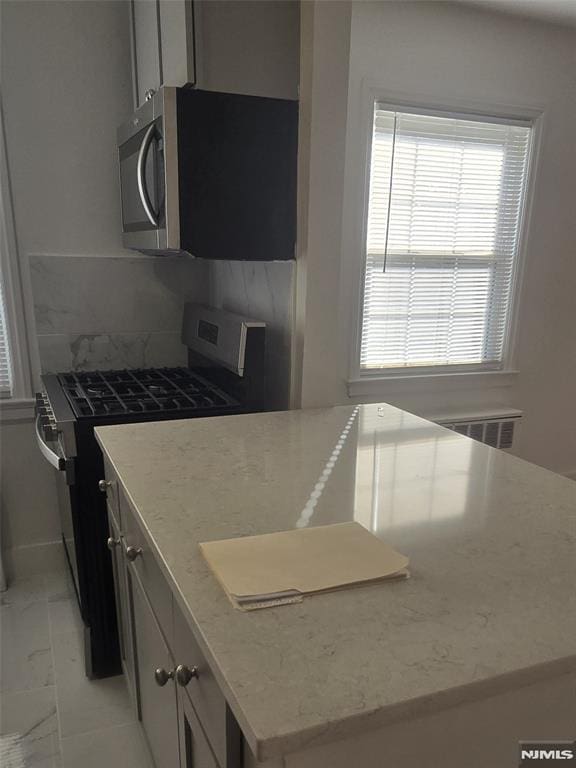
(205, 695)
(137, 551)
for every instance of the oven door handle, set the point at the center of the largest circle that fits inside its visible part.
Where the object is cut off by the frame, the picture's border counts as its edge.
(141, 176)
(51, 456)
(58, 462)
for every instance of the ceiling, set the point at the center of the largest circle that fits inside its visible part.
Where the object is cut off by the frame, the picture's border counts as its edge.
(559, 11)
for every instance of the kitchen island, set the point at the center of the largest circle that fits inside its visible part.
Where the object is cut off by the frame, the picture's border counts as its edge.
(449, 668)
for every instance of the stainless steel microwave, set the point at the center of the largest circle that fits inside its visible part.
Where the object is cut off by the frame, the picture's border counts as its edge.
(210, 174)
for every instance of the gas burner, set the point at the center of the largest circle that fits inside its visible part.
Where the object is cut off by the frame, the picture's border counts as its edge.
(149, 390)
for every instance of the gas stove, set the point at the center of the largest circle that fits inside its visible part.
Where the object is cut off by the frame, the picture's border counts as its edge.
(224, 376)
(143, 391)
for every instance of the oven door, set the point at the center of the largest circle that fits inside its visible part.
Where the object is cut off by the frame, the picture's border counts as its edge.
(148, 160)
(53, 452)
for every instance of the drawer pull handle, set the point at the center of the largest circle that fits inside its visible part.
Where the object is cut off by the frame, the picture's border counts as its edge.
(162, 677)
(184, 674)
(112, 543)
(132, 553)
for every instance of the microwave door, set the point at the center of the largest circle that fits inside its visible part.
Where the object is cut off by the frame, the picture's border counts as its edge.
(141, 183)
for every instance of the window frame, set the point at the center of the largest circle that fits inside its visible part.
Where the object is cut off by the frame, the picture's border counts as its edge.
(372, 382)
(19, 403)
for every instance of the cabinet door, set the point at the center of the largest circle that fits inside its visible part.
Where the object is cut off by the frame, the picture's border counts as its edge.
(195, 751)
(123, 608)
(146, 45)
(158, 711)
(177, 42)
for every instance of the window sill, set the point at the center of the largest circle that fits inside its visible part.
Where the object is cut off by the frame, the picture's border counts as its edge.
(16, 409)
(431, 382)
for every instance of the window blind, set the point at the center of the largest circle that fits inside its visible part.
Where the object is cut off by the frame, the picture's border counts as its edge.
(445, 202)
(5, 366)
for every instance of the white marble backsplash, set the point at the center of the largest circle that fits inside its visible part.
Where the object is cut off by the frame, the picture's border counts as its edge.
(126, 312)
(112, 312)
(261, 290)
(109, 351)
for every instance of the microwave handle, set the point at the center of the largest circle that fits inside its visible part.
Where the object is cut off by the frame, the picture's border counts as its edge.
(141, 175)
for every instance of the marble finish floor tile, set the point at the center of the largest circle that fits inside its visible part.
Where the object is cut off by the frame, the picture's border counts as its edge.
(25, 656)
(123, 745)
(64, 617)
(31, 589)
(58, 586)
(40, 623)
(86, 705)
(29, 729)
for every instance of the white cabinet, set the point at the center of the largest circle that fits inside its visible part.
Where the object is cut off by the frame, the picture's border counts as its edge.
(122, 587)
(146, 54)
(162, 45)
(195, 751)
(158, 711)
(183, 712)
(177, 41)
(250, 47)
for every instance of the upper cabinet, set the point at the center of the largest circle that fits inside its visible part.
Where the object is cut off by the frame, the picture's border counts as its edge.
(250, 47)
(146, 60)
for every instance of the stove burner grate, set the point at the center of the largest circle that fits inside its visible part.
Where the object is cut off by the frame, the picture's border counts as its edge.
(155, 390)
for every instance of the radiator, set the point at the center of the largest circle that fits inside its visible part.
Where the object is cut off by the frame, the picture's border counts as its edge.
(496, 429)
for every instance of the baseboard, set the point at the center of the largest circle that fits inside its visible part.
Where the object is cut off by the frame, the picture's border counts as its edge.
(31, 559)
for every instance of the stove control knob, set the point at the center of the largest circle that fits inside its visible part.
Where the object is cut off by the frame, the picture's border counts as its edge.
(112, 543)
(50, 432)
(103, 485)
(132, 553)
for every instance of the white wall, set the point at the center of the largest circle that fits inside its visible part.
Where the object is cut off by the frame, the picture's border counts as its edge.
(249, 47)
(450, 53)
(65, 77)
(261, 60)
(262, 290)
(27, 501)
(319, 327)
(65, 88)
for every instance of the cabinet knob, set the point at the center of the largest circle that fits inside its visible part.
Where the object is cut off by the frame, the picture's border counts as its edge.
(112, 543)
(149, 94)
(162, 677)
(103, 485)
(184, 674)
(132, 553)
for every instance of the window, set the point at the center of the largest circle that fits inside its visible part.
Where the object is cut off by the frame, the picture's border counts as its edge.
(444, 211)
(5, 366)
(15, 369)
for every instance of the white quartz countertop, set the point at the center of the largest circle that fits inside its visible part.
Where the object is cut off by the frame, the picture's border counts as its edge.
(491, 604)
